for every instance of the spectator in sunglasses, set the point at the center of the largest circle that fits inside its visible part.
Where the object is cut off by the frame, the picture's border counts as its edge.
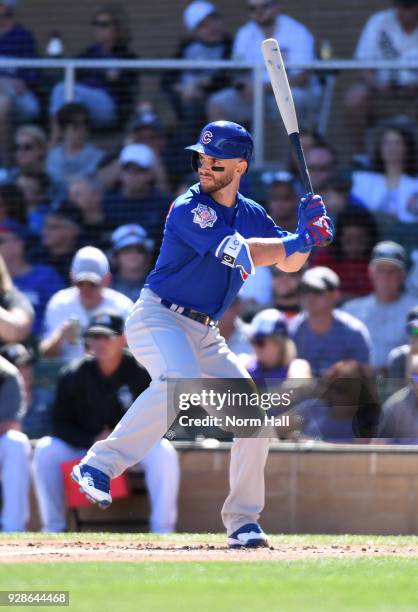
(138, 200)
(107, 93)
(74, 155)
(18, 99)
(69, 311)
(30, 149)
(275, 352)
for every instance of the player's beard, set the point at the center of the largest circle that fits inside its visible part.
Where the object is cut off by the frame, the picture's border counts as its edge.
(218, 182)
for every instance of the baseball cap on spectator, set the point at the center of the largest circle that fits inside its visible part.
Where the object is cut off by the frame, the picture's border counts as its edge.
(147, 119)
(17, 353)
(412, 322)
(268, 322)
(69, 212)
(139, 154)
(388, 251)
(105, 324)
(89, 264)
(196, 12)
(12, 226)
(130, 235)
(320, 278)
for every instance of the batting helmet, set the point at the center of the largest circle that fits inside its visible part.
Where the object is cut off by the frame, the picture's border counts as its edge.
(223, 140)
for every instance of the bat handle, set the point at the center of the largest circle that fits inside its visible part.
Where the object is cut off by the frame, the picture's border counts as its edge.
(301, 162)
(303, 170)
(307, 195)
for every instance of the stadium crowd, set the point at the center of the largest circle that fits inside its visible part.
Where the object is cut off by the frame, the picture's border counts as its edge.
(81, 223)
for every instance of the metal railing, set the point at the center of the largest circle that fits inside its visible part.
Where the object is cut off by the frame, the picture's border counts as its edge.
(70, 66)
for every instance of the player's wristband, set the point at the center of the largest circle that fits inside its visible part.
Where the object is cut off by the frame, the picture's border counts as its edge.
(293, 243)
(233, 251)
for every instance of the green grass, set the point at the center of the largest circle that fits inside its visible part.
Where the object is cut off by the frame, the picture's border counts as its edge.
(366, 584)
(325, 585)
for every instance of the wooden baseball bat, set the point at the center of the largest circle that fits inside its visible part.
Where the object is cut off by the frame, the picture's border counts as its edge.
(284, 99)
(283, 95)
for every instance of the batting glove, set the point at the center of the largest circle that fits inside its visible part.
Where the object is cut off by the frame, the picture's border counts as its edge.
(310, 207)
(317, 232)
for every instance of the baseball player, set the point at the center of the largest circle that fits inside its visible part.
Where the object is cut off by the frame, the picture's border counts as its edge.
(213, 240)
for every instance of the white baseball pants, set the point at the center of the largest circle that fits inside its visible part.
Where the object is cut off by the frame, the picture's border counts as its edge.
(162, 475)
(15, 453)
(170, 345)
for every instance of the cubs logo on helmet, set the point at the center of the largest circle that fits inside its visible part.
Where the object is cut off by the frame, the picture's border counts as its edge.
(207, 137)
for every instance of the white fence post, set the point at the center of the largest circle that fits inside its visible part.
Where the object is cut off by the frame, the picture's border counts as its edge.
(69, 82)
(258, 118)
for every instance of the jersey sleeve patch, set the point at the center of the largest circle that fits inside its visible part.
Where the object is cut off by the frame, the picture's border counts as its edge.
(198, 225)
(204, 216)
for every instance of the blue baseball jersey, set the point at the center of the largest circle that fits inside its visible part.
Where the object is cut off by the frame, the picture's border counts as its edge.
(187, 272)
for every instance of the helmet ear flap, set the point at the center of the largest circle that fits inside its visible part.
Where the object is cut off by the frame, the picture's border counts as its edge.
(195, 160)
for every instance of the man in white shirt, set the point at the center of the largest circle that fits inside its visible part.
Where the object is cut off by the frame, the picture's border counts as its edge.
(384, 311)
(69, 311)
(391, 34)
(297, 45)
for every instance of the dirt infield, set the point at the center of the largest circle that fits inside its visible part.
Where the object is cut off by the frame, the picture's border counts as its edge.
(29, 550)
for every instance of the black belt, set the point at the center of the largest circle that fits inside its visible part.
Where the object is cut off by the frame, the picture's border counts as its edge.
(190, 313)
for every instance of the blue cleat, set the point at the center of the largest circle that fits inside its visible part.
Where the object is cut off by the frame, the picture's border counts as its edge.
(94, 483)
(248, 536)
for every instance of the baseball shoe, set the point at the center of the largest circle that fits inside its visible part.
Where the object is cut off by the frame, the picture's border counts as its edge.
(94, 483)
(248, 536)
